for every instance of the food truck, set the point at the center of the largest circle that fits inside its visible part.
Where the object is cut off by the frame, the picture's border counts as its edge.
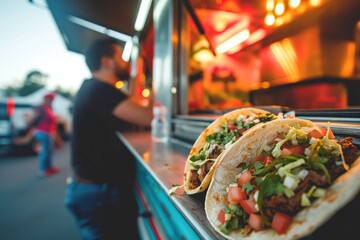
(205, 58)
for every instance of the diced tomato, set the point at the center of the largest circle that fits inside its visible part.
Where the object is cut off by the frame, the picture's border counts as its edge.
(244, 178)
(324, 131)
(279, 136)
(231, 126)
(264, 159)
(284, 145)
(256, 222)
(281, 222)
(236, 194)
(298, 149)
(241, 130)
(260, 158)
(249, 206)
(315, 134)
(267, 161)
(221, 216)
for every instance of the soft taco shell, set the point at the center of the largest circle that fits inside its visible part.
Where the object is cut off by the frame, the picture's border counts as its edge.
(342, 191)
(201, 141)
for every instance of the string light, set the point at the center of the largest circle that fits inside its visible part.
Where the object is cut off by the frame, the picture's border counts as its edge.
(279, 8)
(269, 19)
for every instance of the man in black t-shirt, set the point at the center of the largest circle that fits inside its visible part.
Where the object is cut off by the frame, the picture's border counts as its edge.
(99, 194)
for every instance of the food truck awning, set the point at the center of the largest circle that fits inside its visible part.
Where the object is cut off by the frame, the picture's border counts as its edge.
(107, 16)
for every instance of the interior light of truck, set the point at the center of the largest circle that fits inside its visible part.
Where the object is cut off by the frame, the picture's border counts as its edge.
(142, 14)
(127, 50)
(294, 3)
(286, 56)
(265, 84)
(119, 84)
(270, 5)
(159, 9)
(269, 19)
(87, 24)
(117, 35)
(145, 93)
(98, 28)
(315, 2)
(279, 8)
(233, 41)
(173, 90)
(204, 56)
(256, 36)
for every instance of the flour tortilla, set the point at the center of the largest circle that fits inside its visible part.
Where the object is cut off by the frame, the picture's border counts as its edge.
(201, 141)
(342, 191)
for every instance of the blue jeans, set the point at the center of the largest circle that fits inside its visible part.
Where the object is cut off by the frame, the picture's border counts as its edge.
(99, 211)
(45, 155)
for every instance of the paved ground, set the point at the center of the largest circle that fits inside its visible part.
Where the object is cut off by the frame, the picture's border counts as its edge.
(32, 208)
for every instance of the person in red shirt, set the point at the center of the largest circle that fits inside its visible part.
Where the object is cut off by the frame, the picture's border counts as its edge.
(45, 126)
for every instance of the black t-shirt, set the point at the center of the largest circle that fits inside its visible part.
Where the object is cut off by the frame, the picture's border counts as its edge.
(97, 153)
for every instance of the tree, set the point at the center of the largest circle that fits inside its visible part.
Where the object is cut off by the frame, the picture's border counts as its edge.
(63, 92)
(34, 81)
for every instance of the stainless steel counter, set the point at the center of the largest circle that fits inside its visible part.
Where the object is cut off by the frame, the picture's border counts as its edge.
(166, 162)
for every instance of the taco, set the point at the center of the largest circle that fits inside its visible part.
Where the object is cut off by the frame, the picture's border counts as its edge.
(282, 180)
(213, 141)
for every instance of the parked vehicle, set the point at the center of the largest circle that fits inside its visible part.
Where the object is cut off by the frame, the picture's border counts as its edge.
(15, 134)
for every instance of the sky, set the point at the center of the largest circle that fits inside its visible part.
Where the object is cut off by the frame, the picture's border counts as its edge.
(30, 40)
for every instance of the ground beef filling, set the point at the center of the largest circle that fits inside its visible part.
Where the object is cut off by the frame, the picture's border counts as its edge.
(290, 206)
(196, 178)
(349, 151)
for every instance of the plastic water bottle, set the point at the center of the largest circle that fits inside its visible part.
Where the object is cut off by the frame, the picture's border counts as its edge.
(159, 125)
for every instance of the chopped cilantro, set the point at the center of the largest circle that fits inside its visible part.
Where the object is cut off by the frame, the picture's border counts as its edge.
(274, 186)
(223, 228)
(263, 171)
(269, 186)
(232, 208)
(239, 124)
(267, 117)
(304, 140)
(258, 165)
(241, 165)
(249, 125)
(248, 187)
(233, 223)
(227, 138)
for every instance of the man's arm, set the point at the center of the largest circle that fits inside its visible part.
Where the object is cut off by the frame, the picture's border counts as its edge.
(129, 111)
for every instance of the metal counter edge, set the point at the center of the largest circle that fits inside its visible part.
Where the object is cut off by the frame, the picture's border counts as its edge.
(184, 211)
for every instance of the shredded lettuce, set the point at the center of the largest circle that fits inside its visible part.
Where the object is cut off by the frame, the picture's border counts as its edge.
(277, 150)
(305, 201)
(196, 165)
(174, 188)
(300, 133)
(332, 144)
(286, 170)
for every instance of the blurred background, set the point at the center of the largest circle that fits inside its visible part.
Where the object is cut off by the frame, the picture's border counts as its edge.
(34, 61)
(201, 58)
